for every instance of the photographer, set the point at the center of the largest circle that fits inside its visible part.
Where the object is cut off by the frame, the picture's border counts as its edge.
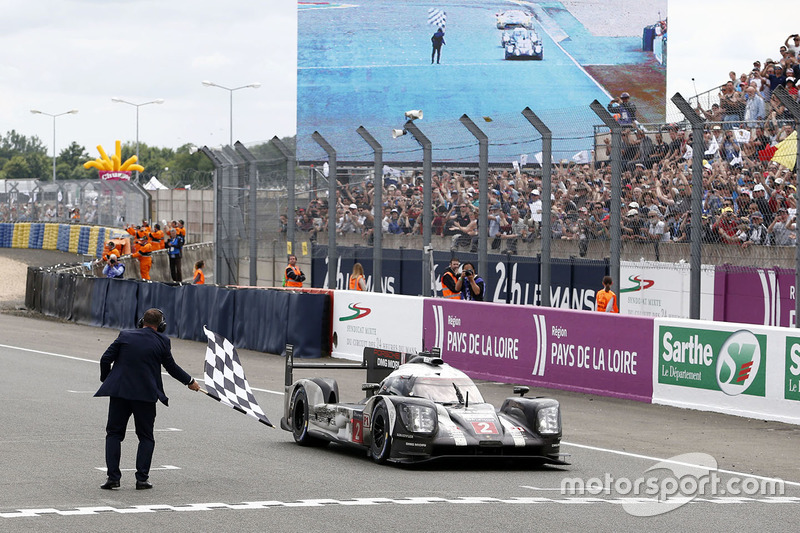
(114, 269)
(471, 286)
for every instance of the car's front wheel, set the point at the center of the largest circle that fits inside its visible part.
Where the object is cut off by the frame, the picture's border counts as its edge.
(381, 438)
(299, 417)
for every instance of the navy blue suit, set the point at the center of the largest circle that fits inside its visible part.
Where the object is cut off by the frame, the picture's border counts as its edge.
(130, 370)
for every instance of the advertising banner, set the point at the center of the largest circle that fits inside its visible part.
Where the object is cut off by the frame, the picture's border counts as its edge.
(118, 175)
(587, 352)
(364, 319)
(755, 296)
(655, 289)
(737, 369)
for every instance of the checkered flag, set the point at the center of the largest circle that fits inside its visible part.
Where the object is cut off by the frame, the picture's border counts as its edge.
(437, 17)
(224, 378)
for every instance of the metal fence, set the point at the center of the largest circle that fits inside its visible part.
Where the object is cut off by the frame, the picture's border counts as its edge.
(608, 193)
(95, 202)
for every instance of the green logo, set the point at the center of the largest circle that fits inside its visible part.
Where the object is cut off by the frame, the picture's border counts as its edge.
(713, 360)
(792, 377)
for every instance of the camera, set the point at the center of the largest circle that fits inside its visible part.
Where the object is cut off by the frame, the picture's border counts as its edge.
(469, 272)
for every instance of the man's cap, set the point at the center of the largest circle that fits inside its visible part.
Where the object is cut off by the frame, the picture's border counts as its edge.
(727, 210)
(624, 95)
(113, 256)
(353, 206)
(634, 205)
(394, 211)
(717, 127)
(535, 192)
(633, 212)
(583, 210)
(758, 187)
(790, 79)
(757, 214)
(778, 65)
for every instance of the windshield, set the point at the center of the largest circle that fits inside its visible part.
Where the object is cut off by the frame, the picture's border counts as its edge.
(441, 390)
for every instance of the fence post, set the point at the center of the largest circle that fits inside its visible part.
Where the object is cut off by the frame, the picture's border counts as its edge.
(547, 206)
(427, 218)
(377, 208)
(291, 163)
(483, 192)
(252, 178)
(332, 255)
(794, 109)
(218, 166)
(698, 148)
(616, 187)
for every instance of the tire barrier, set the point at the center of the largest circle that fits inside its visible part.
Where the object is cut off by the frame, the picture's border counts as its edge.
(78, 239)
(252, 318)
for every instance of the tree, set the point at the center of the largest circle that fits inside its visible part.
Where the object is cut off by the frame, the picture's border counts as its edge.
(16, 169)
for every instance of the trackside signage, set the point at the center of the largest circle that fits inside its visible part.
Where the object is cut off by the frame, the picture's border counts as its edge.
(374, 320)
(738, 369)
(730, 362)
(791, 380)
(582, 351)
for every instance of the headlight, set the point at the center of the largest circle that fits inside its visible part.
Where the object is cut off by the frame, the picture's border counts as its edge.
(418, 418)
(548, 420)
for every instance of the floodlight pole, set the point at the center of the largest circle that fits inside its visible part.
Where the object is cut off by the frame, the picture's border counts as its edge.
(377, 226)
(794, 108)
(332, 255)
(483, 193)
(427, 218)
(698, 148)
(547, 191)
(616, 188)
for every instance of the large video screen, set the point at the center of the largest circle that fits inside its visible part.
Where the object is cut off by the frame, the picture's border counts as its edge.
(367, 63)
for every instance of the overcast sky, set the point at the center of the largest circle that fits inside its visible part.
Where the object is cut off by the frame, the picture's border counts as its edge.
(59, 55)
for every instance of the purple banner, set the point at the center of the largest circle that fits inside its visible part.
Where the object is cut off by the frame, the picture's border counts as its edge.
(582, 351)
(762, 296)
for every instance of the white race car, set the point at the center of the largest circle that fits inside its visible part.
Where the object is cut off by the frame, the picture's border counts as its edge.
(514, 18)
(524, 44)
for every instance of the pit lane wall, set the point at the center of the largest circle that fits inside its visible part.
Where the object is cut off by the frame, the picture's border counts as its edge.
(254, 318)
(738, 369)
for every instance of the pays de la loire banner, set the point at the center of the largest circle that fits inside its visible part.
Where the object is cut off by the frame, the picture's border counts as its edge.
(596, 353)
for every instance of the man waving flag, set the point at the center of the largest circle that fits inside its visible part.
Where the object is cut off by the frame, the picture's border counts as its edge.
(224, 377)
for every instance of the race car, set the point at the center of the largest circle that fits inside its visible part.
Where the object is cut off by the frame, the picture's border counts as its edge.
(514, 18)
(524, 44)
(424, 410)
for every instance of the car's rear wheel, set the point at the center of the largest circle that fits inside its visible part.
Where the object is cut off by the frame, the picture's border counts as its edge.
(381, 438)
(299, 417)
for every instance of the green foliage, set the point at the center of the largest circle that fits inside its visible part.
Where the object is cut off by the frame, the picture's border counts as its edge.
(23, 157)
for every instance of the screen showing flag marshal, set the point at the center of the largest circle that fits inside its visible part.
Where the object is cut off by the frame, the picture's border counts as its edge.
(225, 380)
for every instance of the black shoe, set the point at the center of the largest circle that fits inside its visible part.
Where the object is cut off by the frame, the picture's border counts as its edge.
(142, 485)
(110, 485)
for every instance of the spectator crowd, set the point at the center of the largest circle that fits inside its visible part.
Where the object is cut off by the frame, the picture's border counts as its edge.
(748, 199)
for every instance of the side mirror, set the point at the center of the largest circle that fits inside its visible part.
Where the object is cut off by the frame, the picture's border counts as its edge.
(370, 388)
(521, 390)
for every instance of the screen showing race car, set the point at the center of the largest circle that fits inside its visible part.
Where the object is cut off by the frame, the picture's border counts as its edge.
(367, 63)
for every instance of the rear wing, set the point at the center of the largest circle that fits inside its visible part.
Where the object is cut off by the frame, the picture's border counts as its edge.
(378, 363)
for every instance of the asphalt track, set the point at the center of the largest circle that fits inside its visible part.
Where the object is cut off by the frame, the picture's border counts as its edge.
(217, 470)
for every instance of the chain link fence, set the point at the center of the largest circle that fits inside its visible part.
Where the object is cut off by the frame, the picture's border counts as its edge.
(94, 202)
(744, 193)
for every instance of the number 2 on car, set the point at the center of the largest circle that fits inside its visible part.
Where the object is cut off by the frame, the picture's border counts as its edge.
(485, 428)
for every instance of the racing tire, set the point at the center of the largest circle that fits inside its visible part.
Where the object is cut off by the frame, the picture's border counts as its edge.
(299, 420)
(381, 446)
